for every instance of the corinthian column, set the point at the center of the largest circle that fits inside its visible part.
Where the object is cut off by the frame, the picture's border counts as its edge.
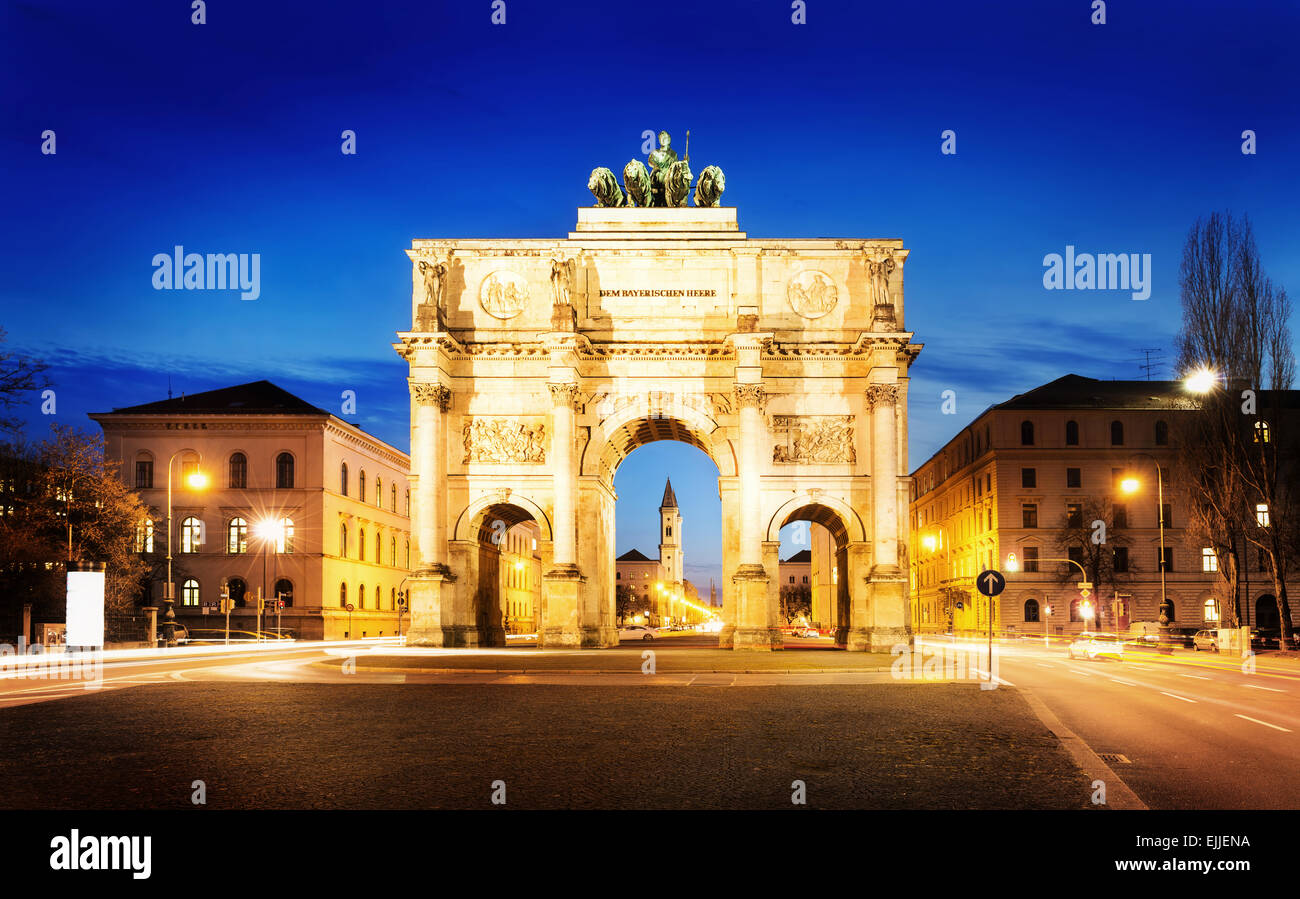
(432, 401)
(563, 476)
(750, 399)
(883, 399)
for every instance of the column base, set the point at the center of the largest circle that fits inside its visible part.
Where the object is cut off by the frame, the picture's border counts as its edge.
(562, 628)
(753, 630)
(757, 639)
(877, 639)
(430, 588)
(727, 636)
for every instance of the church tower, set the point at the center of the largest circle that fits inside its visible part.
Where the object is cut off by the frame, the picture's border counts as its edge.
(670, 537)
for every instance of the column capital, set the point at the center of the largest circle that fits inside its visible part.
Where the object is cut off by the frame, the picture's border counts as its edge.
(431, 395)
(882, 394)
(750, 395)
(564, 394)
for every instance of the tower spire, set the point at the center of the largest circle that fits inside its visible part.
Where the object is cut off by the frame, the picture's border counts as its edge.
(670, 498)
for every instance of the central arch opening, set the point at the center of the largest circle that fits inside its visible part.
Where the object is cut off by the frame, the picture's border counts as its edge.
(507, 600)
(813, 580)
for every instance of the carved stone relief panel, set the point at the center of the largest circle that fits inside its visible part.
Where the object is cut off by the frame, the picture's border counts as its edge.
(814, 438)
(504, 440)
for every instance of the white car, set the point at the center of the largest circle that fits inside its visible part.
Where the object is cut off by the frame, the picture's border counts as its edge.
(805, 632)
(636, 632)
(1094, 646)
(1208, 640)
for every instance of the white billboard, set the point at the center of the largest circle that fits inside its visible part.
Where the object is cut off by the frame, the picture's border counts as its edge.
(85, 608)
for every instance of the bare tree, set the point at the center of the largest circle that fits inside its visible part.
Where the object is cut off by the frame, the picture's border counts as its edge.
(20, 379)
(1089, 536)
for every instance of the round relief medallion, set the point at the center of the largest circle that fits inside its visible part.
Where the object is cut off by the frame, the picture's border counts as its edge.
(503, 294)
(812, 294)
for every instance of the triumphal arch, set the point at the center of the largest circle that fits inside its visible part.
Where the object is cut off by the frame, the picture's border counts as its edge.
(538, 365)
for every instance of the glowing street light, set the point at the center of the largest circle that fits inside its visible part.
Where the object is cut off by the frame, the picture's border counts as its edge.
(1012, 563)
(1130, 485)
(196, 480)
(1202, 380)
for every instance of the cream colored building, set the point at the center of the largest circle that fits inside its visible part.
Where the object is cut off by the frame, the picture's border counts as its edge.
(299, 504)
(538, 365)
(521, 578)
(1005, 485)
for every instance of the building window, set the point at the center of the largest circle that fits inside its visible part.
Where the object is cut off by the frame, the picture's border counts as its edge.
(1167, 515)
(235, 591)
(1119, 512)
(238, 471)
(392, 497)
(1117, 433)
(1162, 433)
(361, 486)
(343, 479)
(1026, 433)
(1261, 431)
(237, 536)
(1071, 433)
(1211, 611)
(1029, 516)
(669, 531)
(343, 595)
(1031, 610)
(379, 492)
(408, 553)
(343, 541)
(379, 545)
(1074, 477)
(284, 591)
(144, 536)
(361, 545)
(1209, 561)
(376, 596)
(1028, 477)
(392, 551)
(1075, 614)
(361, 597)
(392, 597)
(792, 578)
(1073, 515)
(284, 470)
(1075, 554)
(408, 502)
(284, 536)
(1031, 559)
(143, 473)
(1261, 516)
(190, 592)
(1167, 563)
(191, 535)
(1121, 559)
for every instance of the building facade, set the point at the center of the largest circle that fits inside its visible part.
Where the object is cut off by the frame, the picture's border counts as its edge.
(1030, 478)
(298, 506)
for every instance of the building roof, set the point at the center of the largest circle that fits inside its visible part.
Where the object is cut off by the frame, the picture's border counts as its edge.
(1078, 392)
(256, 398)
(670, 498)
(633, 555)
(802, 556)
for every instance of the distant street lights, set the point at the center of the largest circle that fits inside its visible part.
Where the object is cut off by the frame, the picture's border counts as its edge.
(196, 480)
(1130, 485)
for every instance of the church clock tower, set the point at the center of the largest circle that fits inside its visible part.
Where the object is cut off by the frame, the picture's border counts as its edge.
(670, 538)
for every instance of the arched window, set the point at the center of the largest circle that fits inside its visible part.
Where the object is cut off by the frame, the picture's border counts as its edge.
(284, 590)
(190, 592)
(284, 536)
(361, 547)
(392, 596)
(1170, 604)
(392, 493)
(361, 597)
(408, 502)
(343, 595)
(361, 486)
(376, 596)
(237, 589)
(408, 553)
(379, 546)
(1026, 433)
(284, 470)
(343, 541)
(343, 479)
(237, 536)
(1117, 433)
(1211, 611)
(1261, 431)
(191, 535)
(144, 536)
(239, 471)
(379, 491)
(1071, 433)
(392, 551)
(1075, 614)
(1162, 433)
(1031, 610)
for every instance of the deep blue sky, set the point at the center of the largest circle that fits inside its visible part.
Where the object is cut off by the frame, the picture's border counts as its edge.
(225, 138)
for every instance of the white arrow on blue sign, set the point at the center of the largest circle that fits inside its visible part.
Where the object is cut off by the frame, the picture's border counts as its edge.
(990, 582)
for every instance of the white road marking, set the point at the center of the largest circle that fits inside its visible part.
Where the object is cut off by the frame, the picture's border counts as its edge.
(1127, 683)
(1176, 696)
(1197, 676)
(1041, 665)
(1269, 689)
(1284, 730)
(1143, 667)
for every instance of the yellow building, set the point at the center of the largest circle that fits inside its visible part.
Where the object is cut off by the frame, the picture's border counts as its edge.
(299, 505)
(521, 578)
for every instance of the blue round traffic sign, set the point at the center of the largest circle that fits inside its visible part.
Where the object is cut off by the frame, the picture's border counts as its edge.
(990, 582)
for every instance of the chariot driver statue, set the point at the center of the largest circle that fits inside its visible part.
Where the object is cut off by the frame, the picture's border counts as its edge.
(660, 160)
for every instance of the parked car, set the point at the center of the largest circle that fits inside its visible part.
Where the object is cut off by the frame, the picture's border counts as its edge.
(636, 632)
(1207, 640)
(1179, 636)
(1096, 645)
(806, 632)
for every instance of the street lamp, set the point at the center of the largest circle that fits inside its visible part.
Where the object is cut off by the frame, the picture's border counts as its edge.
(1047, 617)
(1130, 485)
(196, 480)
(1201, 380)
(265, 530)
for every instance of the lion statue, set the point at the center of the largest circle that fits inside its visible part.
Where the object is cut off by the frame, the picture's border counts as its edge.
(604, 187)
(710, 187)
(677, 183)
(636, 181)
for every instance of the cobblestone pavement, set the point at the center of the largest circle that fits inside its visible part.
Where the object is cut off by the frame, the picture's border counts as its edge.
(366, 746)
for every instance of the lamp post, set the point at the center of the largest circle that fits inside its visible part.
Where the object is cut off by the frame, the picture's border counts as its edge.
(1013, 565)
(266, 532)
(931, 544)
(1047, 617)
(196, 481)
(1130, 485)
